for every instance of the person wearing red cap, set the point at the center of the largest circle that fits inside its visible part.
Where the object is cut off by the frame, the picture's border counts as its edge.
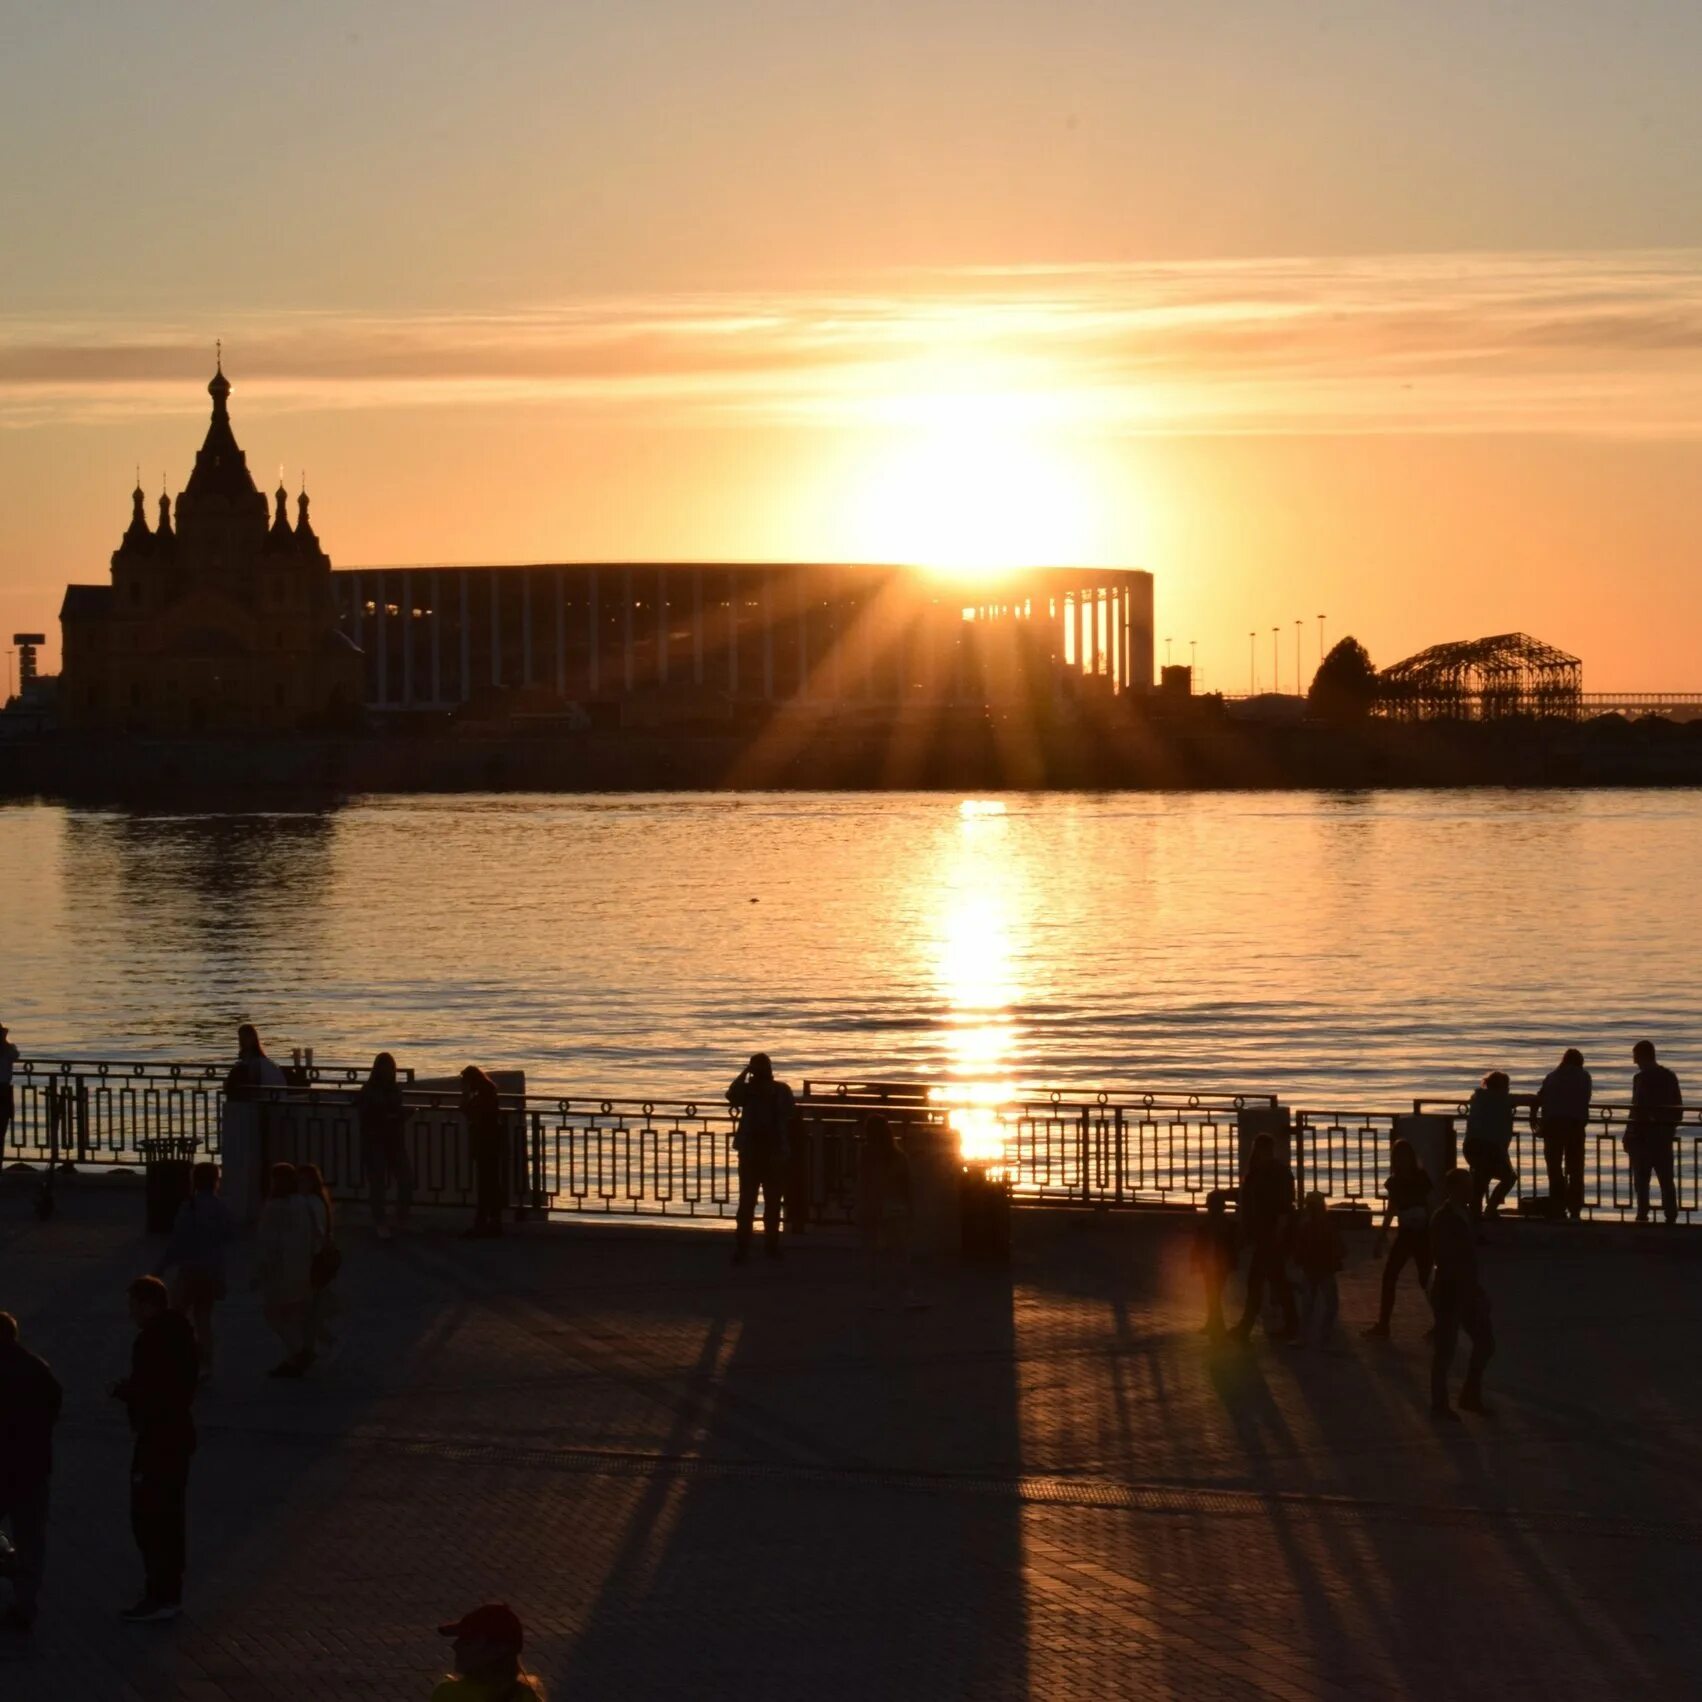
(488, 1642)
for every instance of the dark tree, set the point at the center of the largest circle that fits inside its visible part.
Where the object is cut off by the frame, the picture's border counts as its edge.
(1345, 685)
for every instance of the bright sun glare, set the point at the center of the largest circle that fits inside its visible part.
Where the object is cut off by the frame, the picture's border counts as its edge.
(972, 482)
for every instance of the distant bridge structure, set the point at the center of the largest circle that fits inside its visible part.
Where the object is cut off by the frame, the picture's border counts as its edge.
(1483, 679)
(1669, 705)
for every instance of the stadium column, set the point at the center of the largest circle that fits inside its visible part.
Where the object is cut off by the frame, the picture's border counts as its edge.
(525, 626)
(466, 642)
(801, 579)
(594, 633)
(662, 626)
(732, 632)
(407, 619)
(381, 640)
(434, 590)
(561, 633)
(697, 626)
(768, 638)
(627, 660)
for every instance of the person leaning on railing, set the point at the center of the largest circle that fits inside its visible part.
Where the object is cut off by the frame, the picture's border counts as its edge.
(766, 1110)
(481, 1105)
(1657, 1108)
(384, 1143)
(1488, 1146)
(1560, 1113)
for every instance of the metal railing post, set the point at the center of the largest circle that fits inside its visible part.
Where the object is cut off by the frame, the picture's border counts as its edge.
(539, 1204)
(82, 1116)
(1086, 1166)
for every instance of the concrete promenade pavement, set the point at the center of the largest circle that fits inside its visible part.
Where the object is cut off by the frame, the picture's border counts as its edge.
(695, 1480)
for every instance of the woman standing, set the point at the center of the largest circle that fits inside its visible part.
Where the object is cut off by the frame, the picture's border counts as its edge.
(482, 1108)
(240, 1143)
(199, 1236)
(327, 1261)
(283, 1266)
(384, 1145)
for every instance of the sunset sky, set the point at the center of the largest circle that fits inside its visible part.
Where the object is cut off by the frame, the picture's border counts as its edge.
(1387, 311)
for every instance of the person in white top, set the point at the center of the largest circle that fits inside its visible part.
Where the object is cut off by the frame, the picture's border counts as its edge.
(284, 1247)
(239, 1126)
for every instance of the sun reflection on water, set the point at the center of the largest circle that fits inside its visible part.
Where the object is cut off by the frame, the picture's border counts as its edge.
(982, 909)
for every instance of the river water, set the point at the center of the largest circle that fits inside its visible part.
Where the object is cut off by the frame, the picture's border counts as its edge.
(1340, 949)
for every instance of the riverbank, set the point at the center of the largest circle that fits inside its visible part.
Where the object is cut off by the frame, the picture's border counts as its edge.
(1044, 1484)
(798, 752)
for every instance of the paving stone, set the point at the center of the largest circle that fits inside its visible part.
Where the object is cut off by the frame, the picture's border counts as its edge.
(691, 1479)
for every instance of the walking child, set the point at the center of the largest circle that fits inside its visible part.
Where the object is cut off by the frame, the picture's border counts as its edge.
(1318, 1253)
(1213, 1257)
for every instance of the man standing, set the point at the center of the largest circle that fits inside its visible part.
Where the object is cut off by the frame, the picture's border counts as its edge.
(29, 1406)
(763, 1142)
(159, 1392)
(1657, 1106)
(1458, 1300)
(1267, 1210)
(1560, 1113)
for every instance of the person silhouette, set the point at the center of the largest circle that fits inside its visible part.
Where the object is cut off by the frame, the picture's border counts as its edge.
(1657, 1107)
(1488, 1144)
(1458, 1299)
(1407, 1189)
(1267, 1210)
(30, 1398)
(384, 1144)
(763, 1142)
(160, 1393)
(1213, 1257)
(481, 1105)
(1560, 1113)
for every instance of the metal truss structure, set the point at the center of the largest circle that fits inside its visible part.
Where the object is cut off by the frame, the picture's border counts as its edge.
(1483, 679)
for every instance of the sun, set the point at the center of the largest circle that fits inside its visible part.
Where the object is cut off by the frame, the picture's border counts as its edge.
(967, 483)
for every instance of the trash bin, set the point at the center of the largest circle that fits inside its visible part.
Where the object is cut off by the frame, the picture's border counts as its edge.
(168, 1166)
(984, 1197)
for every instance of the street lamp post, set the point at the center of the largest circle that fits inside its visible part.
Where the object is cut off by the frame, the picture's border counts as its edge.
(1276, 662)
(1297, 626)
(1320, 641)
(1252, 665)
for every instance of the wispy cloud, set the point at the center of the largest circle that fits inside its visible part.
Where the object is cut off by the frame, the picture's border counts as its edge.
(1571, 343)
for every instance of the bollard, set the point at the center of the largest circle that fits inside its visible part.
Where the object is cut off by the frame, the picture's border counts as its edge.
(935, 1198)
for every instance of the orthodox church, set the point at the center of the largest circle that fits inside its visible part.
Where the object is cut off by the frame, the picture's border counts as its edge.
(222, 622)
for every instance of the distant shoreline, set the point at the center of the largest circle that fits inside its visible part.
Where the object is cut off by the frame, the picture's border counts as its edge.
(786, 754)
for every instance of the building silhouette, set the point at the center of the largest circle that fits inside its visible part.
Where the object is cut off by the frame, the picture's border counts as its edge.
(764, 633)
(221, 622)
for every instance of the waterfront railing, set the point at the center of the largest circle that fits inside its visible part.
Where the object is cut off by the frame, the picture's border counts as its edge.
(613, 1157)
